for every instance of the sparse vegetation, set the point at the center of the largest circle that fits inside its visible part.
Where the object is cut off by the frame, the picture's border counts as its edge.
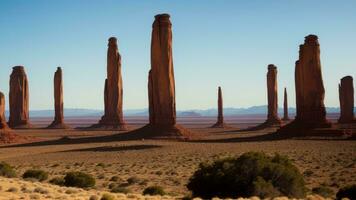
(79, 179)
(323, 191)
(57, 181)
(36, 174)
(347, 192)
(154, 190)
(107, 197)
(119, 189)
(250, 174)
(7, 170)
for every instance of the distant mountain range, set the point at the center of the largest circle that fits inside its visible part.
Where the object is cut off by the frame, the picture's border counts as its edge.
(254, 110)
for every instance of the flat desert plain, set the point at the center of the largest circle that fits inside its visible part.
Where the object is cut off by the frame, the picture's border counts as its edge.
(137, 164)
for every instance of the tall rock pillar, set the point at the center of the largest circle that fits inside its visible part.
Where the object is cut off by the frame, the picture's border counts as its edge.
(285, 106)
(161, 85)
(58, 122)
(346, 96)
(113, 93)
(19, 99)
(220, 122)
(3, 124)
(272, 93)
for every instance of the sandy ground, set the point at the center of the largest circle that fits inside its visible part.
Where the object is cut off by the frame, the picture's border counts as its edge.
(169, 164)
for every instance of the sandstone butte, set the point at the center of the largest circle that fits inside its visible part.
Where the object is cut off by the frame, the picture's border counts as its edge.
(19, 99)
(346, 96)
(6, 134)
(113, 93)
(161, 86)
(310, 92)
(58, 122)
(285, 106)
(220, 121)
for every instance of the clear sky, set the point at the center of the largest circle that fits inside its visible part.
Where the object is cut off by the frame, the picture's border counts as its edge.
(215, 43)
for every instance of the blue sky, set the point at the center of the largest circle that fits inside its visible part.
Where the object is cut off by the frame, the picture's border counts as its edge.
(215, 43)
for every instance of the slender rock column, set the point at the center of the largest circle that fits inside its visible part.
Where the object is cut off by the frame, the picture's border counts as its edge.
(272, 117)
(161, 85)
(113, 93)
(346, 96)
(3, 124)
(58, 122)
(220, 123)
(19, 99)
(285, 106)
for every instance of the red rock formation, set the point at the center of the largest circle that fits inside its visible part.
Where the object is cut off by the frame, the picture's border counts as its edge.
(310, 91)
(58, 122)
(6, 134)
(220, 123)
(285, 106)
(3, 124)
(19, 99)
(346, 96)
(113, 93)
(161, 85)
(272, 116)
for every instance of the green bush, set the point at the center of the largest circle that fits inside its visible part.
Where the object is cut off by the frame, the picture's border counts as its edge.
(347, 192)
(154, 190)
(251, 174)
(57, 181)
(37, 174)
(79, 179)
(107, 197)
(7, 170)
(323, 191)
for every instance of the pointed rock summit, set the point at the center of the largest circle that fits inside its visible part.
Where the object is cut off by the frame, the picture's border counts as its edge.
(113, 93)
(310, 91)
(161, 85)
(220, 123)
(285, 106)
(346, 96)
(19, 99)
(58, 122)
(272, 93)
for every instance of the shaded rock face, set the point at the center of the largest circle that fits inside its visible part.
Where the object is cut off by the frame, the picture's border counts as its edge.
(58, 121)
(272, 116)
(113, 92)
(220, 122)
(161, 86)
(162, 105)
(309, 85)
(19, 99)
(3, 124)
(285, 106)
(346, 96)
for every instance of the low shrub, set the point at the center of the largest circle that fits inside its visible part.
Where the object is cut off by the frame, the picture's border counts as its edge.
(323, 191)
(251, 174)
(57, 181)
(37, 174)
(119, 189)
(7, 170)
(79, 179)
(107, 197)
(347, 192)
(154, 190)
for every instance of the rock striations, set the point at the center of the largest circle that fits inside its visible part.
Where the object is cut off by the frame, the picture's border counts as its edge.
(113, 92)
(346, 96)
(58, 122)
(161, 85)
(272, 93)
(19, 99)
(6, 134)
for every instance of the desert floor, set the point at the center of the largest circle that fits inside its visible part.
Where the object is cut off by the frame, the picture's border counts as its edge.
(170, 163)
